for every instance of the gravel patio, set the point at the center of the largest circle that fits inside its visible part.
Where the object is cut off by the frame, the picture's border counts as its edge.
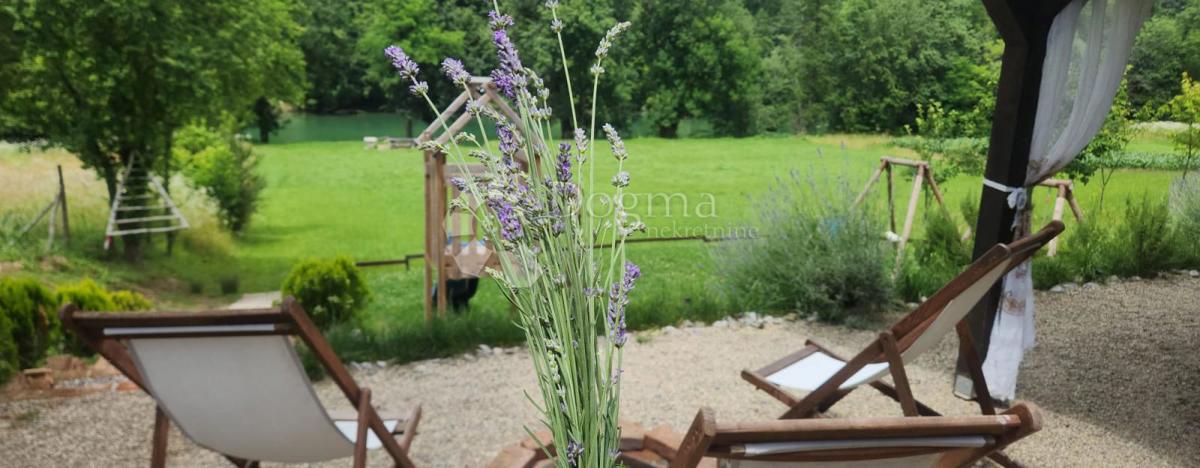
(1114, 371)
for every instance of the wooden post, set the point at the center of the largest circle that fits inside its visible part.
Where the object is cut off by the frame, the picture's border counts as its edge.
(439, 227)
(1059, 201)
(913, 199)
(62, 196)
(1024, 25)
(429, 244)
(891, 197)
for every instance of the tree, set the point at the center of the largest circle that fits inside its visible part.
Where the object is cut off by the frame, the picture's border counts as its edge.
(414, 25)
(886, 57)
(698, 59)
(266, 118)
(111, 80)
(334, 71)
(1185, 108)
(1168, 44)
(1112, 139)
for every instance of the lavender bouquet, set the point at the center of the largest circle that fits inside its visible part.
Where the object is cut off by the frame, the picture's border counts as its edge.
(538, 220)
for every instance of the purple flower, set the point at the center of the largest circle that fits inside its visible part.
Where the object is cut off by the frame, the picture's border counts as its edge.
(419, 88)
(632, 273)
(618, 301)
(621, 179)
(606, 42)
(498, 21)
(459, 183)
(564, 162)
(618, 145)
(405, 65)
(508, 78)
(454, 69)
(508, 140)
(510, 222)
(581, 142)
(574, 451)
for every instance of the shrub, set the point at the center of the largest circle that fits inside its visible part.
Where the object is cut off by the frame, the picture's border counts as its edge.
(30, 309)
(936, 259)
(1143, 244)
(10, 362)
(332, 291)
(822, 256)
(224, 168)
(1185, 210)
(87, 295)
(130, 301)
(1086, 255)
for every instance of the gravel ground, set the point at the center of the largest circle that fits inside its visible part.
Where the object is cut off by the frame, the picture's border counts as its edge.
(1114, 372)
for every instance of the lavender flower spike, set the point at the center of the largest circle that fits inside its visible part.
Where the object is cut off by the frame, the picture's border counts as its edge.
(508, 77)
(618, 145)
(405, 65)
(581, 140)
(606, 42)
(498, 21)
(621, 179)
(455, 70)
(618, 301)
(564, 162)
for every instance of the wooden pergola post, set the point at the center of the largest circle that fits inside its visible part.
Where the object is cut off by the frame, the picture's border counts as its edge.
(1024, 25)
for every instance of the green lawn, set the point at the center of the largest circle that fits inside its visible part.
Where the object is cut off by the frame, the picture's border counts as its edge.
(336, 198)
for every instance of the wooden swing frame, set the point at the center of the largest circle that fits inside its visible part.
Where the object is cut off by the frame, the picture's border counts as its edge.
(439, 256)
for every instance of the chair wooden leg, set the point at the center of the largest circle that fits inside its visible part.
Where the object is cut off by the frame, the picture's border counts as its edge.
(966, 346)
(410, 429)
(899, 376)
(360, 441)
(158, 451)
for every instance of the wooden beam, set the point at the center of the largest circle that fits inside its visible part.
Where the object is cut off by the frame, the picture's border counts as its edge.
(1024, 25)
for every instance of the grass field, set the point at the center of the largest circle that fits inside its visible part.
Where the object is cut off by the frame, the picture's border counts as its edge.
(336, 198)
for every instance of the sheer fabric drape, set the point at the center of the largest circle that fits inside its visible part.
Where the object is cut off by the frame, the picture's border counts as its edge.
(1087, 51)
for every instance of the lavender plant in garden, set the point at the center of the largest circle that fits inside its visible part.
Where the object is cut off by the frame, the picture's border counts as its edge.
(537, 218)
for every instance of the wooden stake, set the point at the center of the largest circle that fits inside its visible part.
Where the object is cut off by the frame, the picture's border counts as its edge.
(62, 196)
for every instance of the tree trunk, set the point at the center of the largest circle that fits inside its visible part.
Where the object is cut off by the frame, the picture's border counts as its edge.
(133, 243)
(264, 134)
(670, 130)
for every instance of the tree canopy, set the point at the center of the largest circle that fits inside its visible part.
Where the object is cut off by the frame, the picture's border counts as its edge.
(111, 80)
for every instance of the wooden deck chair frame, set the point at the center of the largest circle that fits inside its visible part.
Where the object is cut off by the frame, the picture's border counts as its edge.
(288, 319)
(707, 438)
(887, 348)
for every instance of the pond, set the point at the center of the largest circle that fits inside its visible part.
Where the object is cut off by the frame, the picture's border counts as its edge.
(301, 127)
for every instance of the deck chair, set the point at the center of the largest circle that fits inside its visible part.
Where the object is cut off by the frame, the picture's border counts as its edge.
(232, 382)
(828, 377)
(939, 441)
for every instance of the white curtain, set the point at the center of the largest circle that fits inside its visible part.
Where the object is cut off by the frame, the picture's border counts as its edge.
(1086, 55)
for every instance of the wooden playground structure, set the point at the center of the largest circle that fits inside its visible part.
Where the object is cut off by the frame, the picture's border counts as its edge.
(452, 243)
(1064, 196)
(134, 211)
(924, 176)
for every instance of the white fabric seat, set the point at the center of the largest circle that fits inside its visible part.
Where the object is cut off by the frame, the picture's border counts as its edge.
(900, 462)
(809, 373)
(813, 370)
(245, 396)
(349, 429)
(797, 446)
